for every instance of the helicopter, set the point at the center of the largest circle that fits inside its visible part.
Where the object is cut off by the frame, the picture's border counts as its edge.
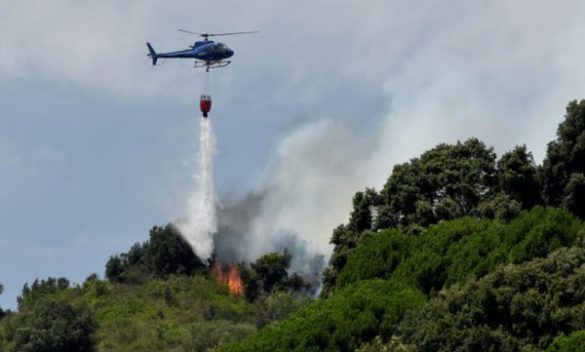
(207, 53)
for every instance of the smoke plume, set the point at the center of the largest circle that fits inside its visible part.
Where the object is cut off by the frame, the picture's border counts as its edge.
(305, 191)
(200, 223)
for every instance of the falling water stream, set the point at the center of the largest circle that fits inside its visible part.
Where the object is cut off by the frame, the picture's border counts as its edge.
(200, 222)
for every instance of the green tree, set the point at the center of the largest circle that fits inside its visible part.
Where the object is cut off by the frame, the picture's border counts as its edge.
(517, 177)
(271, 271)
(501, 206)
(361, 216)
(446, 182)
(135, 255)
(269, 274)
(565, 156)
(168, 253)
(574, 198)
(55, 326)
(165, 253)
(115, 269)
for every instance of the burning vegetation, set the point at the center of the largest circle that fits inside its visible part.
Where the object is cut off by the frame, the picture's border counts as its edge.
(229, 276)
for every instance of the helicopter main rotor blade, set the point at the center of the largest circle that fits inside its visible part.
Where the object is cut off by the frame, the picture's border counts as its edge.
(182, 30)
(232, 33)
(216, 34)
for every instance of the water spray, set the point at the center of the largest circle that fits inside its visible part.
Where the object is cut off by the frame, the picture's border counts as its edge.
(200, 223)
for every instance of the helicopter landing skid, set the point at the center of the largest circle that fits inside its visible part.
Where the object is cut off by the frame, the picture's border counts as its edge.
(209, 65)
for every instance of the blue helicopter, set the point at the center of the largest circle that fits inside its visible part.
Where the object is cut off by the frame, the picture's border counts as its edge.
(206, 53)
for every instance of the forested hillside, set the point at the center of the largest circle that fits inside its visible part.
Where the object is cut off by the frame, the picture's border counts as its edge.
(494, 248)
(459, 251)
(158, 296)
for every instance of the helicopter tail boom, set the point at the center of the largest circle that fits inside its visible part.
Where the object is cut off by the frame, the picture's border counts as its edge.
(152, 54)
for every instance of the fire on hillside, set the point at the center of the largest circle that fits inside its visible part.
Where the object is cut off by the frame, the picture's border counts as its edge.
(228, 275)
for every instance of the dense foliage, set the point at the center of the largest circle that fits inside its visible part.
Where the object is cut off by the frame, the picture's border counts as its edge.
(465, 179)
(341, 322)
(446, 182)
(515, 308)
(455, 251)
(441, 261)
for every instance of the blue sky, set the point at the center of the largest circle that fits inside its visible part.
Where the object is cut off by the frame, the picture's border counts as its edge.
(96, 145)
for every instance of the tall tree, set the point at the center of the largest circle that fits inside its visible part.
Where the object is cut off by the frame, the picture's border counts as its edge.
(565, 156)
(361, 215)
(517, 177)
(168, 253)
(271, 270)
(574, 197)
(445, 182)
(115, 269)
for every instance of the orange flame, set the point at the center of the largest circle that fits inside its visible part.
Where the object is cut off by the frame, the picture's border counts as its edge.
(232, 279)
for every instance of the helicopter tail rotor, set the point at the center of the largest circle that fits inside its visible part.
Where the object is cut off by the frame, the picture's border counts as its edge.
(152, 54)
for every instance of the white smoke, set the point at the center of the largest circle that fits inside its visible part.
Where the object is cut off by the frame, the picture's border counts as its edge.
(200, 221)
(497, 73)
(308, 185)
